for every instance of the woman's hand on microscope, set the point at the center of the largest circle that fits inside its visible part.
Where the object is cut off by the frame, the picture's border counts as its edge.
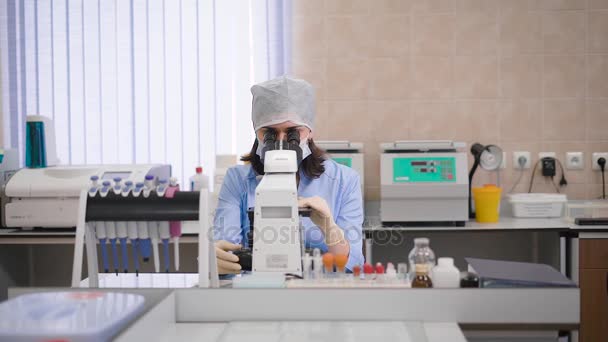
(321, 214)
(227, 262)
(322, 217)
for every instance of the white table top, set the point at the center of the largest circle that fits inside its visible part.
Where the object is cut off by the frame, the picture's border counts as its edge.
(314, 331)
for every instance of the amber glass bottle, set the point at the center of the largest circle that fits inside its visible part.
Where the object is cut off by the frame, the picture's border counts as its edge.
(422, 279)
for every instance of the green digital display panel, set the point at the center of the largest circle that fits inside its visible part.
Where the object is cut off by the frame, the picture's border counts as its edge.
(344, 161)
(424, 170)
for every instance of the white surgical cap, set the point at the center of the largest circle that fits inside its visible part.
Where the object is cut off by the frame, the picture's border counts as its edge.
(283, 99)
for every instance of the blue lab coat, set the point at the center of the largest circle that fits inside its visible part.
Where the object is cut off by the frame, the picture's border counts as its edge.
(338, 185)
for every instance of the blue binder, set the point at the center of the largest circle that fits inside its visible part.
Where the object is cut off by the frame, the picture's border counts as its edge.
(497, 273)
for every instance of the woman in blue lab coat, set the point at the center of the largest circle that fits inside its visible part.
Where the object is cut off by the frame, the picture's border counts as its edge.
(284, 109)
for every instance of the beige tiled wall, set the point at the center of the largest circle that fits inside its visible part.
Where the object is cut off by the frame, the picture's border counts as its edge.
(529, 75)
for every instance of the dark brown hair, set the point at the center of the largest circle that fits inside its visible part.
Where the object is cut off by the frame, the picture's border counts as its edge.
(312, 166)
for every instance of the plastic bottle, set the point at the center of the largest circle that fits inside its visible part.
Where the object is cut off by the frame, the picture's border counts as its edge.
(445, 274)
(199, 180)
(421, 254)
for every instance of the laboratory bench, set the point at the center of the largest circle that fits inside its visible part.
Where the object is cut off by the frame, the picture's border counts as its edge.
(44, 257)
(357, 314)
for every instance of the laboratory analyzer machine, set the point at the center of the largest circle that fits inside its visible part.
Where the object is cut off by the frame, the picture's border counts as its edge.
(423, 182)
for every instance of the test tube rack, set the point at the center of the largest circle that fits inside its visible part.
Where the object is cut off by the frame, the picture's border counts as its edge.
(184, 206)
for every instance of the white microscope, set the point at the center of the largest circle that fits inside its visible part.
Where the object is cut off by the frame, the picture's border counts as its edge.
(278, 246)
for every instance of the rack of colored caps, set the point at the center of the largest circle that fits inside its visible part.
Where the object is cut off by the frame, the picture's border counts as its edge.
(369, 269)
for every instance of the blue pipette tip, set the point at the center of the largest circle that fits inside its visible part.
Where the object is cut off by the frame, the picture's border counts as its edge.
(106, 183)
(117, 179)
(135, 245)
(114, 255)
(104, 255)
(94, 178)
(125, 256)
(139, 185)
(128, 183)
(145, 248)
(166, 254)
(149, 177)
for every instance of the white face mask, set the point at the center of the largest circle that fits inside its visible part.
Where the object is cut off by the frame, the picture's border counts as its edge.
(305, 148)
(303, 145)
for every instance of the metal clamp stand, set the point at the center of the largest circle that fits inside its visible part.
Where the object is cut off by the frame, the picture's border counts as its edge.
(184, 206)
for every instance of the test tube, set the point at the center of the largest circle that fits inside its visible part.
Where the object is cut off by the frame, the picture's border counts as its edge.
(317, 262)
(341, 260)
(328, 262)
(307, 266)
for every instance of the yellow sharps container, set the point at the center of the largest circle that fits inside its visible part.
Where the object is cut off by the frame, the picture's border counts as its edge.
(487, 203)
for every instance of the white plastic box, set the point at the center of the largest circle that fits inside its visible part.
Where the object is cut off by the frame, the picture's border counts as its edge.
(537, 205)
(75, 316)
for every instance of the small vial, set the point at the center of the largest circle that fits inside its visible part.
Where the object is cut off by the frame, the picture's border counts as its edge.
(105, 189)
(137, 190)
(94, 181)
(92, 191)
(117, 185)
(402, 270)
(118, 181)
(149, 182)
(357, 272)
(127, 188)
(161, 188)
(146, 192)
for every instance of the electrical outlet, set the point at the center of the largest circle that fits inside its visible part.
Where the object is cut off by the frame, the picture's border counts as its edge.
(595, 157)
(524, 154)
(575, 161)
(503, 163)
(542, 155)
